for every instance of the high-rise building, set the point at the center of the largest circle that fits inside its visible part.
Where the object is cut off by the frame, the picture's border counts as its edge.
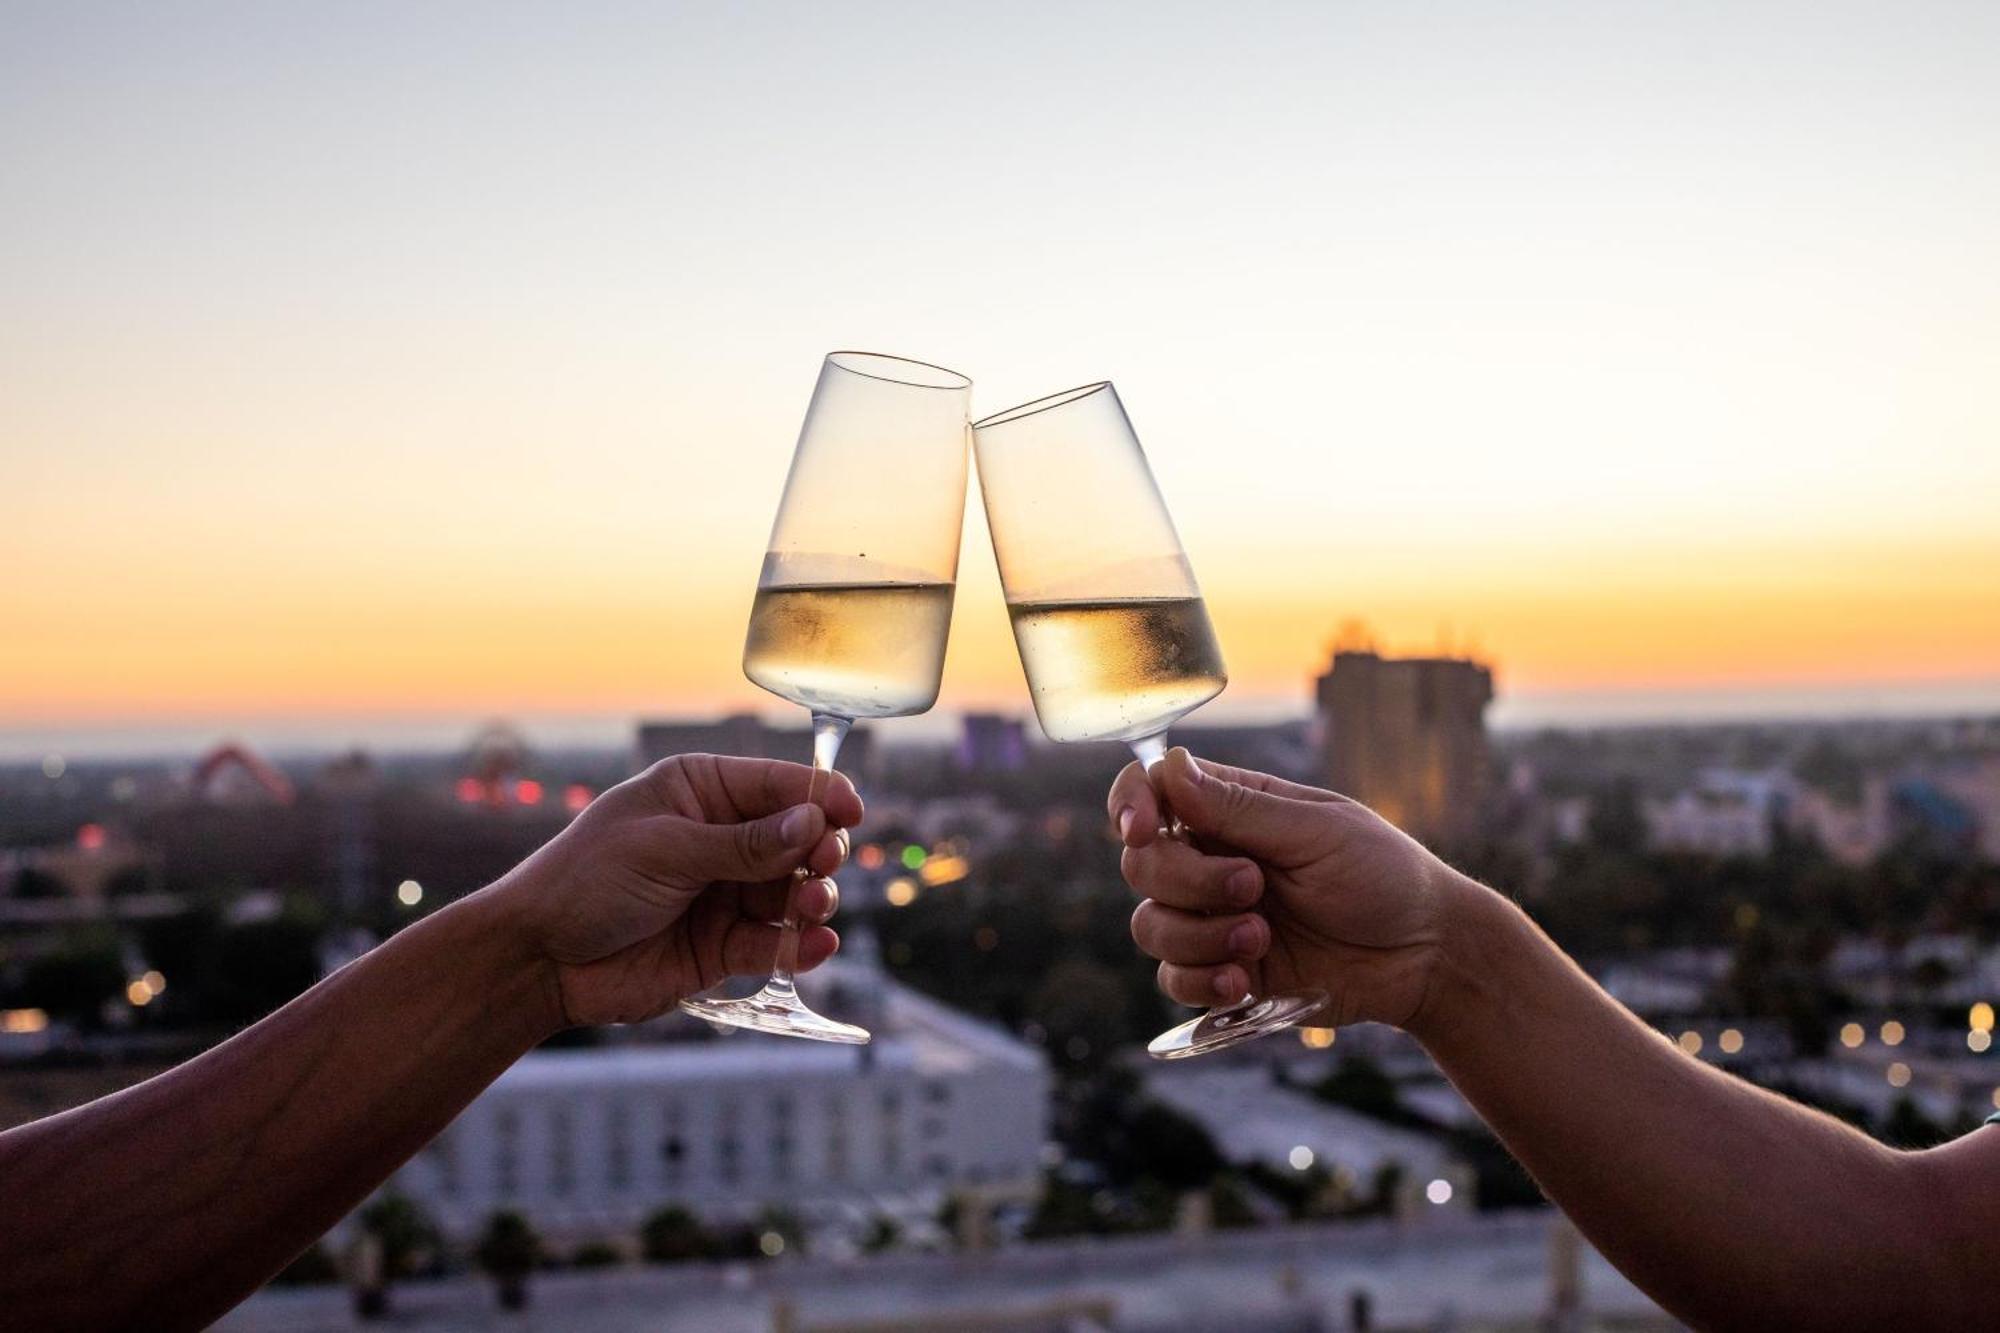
(991, 743)
(1407, 737)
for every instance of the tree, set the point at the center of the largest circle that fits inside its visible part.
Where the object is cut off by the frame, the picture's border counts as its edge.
(1164, 1145)
(408, 1236)
(596, 1254)
(508, 1251)
(1081, 1004)
(313, 1268)
(1498, 1180)
(127, 882)
(1908, 1126)
(1388, 1183)
(33, 883)
(75, 980)
(1617, 823)
(1229, 1203)
(674, 1235)
(1065, 1208)
(1313, 1192)
(779, 1231)
(1359, 1084)
(260, 965)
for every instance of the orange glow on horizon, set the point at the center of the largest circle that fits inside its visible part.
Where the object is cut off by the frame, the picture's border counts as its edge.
(1575, 616)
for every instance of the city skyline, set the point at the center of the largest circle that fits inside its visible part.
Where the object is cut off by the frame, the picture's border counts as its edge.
(372, 372)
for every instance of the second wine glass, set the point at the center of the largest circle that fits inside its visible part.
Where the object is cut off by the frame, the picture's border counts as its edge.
(1112, 630)
(854, 602)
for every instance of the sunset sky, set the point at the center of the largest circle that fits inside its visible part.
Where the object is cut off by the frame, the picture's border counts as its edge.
(372, 366)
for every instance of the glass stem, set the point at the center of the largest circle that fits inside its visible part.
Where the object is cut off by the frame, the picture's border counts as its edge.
(1150, 751)
(828, 732)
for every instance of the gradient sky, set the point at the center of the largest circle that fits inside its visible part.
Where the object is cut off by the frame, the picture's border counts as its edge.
(401, 362)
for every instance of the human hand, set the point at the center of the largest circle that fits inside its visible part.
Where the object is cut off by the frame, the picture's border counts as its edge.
(1280, 886)
(674, 879)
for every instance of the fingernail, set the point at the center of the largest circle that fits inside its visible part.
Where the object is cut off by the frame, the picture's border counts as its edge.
(797, 825)
(1225, 985)
(1125, 818)
(1195, 774)
(1243, 885)
(1245, 938)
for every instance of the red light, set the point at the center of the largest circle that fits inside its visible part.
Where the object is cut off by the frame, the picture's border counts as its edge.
(90, 837)
(528, 792)
(471, 790)
(576, 796)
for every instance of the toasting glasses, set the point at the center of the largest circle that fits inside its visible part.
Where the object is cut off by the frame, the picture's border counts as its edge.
(854, 602)
(1113, 634)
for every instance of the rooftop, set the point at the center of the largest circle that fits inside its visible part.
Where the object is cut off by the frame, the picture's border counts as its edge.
(913, 1033)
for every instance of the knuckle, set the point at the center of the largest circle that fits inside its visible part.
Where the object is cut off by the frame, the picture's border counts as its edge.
(1236, 798)
(752, 840)
(1191, 985)
(1138, 923)
(1132, 865)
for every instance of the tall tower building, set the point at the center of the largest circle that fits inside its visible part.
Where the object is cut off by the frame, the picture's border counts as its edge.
(1407, 737)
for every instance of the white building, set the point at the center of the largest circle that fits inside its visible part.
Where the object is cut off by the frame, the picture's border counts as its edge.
(588, 1142)
(1726, 813)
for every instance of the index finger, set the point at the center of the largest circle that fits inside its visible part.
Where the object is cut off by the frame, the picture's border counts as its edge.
(1266, 782)
(1133, 791)
(758, 787)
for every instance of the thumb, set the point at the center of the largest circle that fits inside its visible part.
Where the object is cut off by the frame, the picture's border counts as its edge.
(1257, 823)
(757, 849)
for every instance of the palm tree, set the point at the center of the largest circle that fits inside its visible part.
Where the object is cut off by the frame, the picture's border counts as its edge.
(508, 1251)
(408, 1236)
(674, 1235)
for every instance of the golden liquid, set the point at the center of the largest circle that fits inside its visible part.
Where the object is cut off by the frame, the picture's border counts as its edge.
(1117, 671)
(852, 650)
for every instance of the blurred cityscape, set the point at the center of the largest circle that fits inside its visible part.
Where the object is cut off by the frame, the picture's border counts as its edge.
(1814, 906)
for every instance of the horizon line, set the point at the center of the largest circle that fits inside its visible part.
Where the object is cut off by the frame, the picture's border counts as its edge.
(431, 730)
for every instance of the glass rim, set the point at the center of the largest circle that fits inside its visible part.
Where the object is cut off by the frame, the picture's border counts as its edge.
(846, 359)
(1045, 403)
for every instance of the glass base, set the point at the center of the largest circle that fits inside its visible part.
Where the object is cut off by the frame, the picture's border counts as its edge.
(779, 1011)
(1221, 1028)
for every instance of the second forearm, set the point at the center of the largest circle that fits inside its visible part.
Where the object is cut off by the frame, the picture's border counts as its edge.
(1731, 1206)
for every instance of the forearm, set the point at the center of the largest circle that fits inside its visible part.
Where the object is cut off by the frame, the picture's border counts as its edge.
(169, 1202)
(1731, 1206)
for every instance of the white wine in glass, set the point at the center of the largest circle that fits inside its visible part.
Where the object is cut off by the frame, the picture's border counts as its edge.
(853, 650)
(1117, 670)
(854, 603)
(1114, 637)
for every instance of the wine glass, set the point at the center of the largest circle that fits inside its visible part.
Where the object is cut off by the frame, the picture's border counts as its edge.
(1113, 633)
(854, 601)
